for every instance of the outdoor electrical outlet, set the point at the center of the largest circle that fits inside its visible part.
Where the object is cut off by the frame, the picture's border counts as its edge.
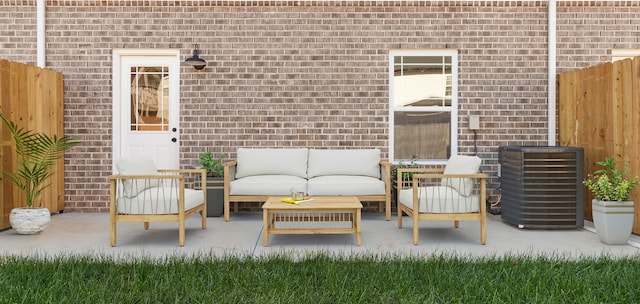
(474, 122)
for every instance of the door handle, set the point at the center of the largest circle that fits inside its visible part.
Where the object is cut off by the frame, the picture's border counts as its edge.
(174, 139)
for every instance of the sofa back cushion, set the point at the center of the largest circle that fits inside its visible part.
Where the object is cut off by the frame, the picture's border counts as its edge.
(137, 166)
(271, 161)
(461, 164)
(364, 162)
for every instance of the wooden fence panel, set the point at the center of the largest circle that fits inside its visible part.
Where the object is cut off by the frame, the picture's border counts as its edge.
(634, 128)
(569, 114)
(33, 98)
(599, 110)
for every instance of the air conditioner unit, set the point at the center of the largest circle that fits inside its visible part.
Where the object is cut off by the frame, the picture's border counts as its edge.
(541, 187)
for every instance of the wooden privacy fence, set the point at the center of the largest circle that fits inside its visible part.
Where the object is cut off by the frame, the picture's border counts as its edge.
(32, 97)
(599, 110)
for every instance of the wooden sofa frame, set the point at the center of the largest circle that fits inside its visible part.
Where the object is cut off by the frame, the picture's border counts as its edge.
(384, 201)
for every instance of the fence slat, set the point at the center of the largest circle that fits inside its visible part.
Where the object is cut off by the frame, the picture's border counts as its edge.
(32, 97)
(599, 110)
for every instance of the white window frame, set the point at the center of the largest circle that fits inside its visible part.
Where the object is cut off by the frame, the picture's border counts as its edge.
(619, 54)
(453, 109)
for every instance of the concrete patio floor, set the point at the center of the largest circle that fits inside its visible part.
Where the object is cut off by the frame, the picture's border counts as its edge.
(88, 234)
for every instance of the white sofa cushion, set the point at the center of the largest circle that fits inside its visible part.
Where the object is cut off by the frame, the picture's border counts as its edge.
(137, 166)
(461, 164)
(345, 185)
(267, 185)
(268, 161)
(159, 200)
(365, 162)
(440, 199)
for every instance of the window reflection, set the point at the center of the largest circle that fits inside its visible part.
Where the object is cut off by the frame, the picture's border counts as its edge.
(422, 81)
(150, 98)
(424, 134)
(423, 104)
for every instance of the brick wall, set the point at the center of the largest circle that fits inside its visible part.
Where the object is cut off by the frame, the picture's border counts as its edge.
(309, 73)
(586, 34)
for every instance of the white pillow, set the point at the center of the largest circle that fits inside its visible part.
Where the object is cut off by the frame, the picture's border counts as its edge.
(137, 166)
(461, 164)
(363, 162)
(269, 161)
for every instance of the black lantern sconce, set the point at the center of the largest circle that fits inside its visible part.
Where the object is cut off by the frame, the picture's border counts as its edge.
(195, 61)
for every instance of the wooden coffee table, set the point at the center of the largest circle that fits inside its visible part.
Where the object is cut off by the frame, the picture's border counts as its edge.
(319, 217)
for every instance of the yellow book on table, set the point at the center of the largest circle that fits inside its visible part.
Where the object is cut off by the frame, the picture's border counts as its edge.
(289, 200)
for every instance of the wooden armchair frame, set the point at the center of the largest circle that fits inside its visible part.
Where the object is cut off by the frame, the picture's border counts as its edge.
(418, 174)
(173, 176)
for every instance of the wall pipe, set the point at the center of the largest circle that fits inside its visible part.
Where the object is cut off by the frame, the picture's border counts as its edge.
(551, 97)
(40, 29)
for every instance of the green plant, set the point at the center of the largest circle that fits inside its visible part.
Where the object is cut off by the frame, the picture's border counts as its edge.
(212, 165)
(404, 164)
(37, 153)
(610, 184)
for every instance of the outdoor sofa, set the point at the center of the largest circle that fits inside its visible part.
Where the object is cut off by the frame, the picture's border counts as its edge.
(260, 173)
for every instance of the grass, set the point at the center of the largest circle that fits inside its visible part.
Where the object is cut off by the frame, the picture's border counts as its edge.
(319, 278)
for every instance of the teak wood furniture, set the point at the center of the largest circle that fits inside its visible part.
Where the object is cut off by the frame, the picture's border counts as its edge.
(457, 193)
(316, 216)
(143, 193)
(260, 173)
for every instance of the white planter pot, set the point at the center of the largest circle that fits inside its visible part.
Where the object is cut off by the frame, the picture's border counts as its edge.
(29, 220)
(613, 221)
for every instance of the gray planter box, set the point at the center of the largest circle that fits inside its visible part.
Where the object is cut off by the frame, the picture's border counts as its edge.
(215, 195)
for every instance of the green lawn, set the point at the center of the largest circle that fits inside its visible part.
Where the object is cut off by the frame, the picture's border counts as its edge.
(319, 278)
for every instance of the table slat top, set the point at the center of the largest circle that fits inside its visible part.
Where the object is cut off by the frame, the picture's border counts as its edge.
(320, 202)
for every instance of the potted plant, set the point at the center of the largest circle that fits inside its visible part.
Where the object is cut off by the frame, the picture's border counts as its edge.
(214, 183)
(212, 165)
(611, 208)
(36, 154)
(406, 176)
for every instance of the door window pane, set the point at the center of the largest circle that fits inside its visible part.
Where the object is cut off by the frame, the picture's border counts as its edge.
(149, 98)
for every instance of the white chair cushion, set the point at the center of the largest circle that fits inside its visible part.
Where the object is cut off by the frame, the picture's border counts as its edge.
(440, 199)
(365, 162)
(345, 185)
(267, 185)
(137, 166)
(461, 164)
(159, 200)
(267, 161)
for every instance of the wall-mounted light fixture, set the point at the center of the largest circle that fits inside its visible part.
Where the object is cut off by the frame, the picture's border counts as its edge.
(195, 61)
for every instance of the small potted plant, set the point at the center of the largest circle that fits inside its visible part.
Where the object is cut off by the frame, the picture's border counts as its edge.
(214, 184)
(406, 176)
(405, 179)
(36, 154)
(212, 165)
(611, 208)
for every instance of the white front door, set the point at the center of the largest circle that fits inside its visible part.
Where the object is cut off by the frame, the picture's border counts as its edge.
(146, 105)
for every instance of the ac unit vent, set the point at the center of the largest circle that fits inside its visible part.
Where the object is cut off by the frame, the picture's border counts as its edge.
(542, 187)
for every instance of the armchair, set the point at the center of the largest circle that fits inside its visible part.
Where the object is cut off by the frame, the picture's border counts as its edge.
(142, 193)
(456, 193)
